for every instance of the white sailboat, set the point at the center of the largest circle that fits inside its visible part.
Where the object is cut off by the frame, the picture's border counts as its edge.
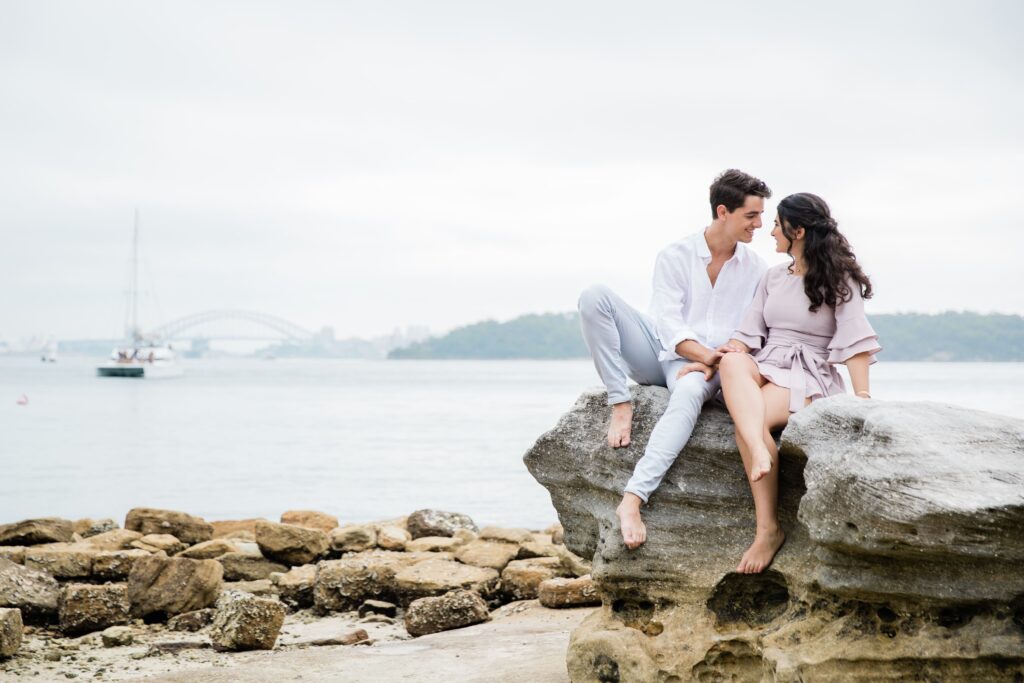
(140, 356)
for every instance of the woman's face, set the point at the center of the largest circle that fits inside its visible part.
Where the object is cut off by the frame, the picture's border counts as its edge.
(782, 243)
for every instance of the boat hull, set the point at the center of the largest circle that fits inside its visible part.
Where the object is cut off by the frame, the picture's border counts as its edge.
(139, 371)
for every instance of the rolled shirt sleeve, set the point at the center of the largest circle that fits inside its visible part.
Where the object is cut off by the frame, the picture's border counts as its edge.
(753, 331)
(669, 302)
(854, 334)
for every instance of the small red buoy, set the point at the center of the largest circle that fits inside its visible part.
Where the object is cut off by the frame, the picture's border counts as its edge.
(23, 400)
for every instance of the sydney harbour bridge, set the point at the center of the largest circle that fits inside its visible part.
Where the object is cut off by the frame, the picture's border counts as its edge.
(237, 325)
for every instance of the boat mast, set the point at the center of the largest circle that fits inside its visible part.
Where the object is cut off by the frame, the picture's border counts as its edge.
(134, 294)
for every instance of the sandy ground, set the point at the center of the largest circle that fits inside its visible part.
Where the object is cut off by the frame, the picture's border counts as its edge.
(522, 642)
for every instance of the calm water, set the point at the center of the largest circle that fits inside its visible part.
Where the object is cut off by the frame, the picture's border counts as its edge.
(360, 439)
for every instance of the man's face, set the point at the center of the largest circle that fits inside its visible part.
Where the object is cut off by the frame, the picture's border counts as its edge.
(741, 223)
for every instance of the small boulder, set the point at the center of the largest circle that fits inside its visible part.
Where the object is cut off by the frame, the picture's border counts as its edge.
(156, 542)
(437, 577)
(34, 592)
(388, 609)
(173, 585)
(86, 528)
(497, 533)
(295, 587)
(117, 636)
(245, 622)
(353, 538)
(36, 531)
(521, 578)
(84, 607)
(289, 544)
(345, 584)
(192, 621)
(350, 638)
(432, 544)
(579, 592)
(455, 609)
(62, 560)
(238, 529)
(246, 567)
(187, 528)
(209, 550)
(391, 537)
(438, 523)
(115, 565)
(310, 519)
(11, 628)
(115, 539)
(493, 554)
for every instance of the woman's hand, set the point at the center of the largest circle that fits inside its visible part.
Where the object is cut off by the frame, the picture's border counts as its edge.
(708, 370)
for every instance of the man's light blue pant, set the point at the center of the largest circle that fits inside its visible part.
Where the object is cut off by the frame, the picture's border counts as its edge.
(624, 345)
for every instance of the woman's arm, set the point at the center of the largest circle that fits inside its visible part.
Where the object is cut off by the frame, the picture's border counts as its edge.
(858, 367)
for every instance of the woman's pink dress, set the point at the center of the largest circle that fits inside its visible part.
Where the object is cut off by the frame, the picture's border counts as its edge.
(798, 349)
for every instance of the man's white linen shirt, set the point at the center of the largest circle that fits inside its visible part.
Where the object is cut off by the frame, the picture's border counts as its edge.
(684, 305)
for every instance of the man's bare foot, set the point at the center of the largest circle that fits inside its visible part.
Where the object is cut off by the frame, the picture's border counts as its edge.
(761, 465)
(634, 533)
(761, 552)
(621, 425)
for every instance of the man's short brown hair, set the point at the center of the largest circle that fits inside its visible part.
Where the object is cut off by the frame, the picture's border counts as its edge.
(731, 189)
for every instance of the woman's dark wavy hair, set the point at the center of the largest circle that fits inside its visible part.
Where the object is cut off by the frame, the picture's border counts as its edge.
(831, 265)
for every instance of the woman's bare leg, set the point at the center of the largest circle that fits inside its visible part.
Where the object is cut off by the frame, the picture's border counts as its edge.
(741, 385)
(769, 536)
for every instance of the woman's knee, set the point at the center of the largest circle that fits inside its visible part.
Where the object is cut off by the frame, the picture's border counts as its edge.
(734, 364)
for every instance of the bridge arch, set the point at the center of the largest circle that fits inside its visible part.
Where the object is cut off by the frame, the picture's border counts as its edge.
(174, 328)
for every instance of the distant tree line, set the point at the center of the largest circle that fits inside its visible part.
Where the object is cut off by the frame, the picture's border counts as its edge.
(904, 337)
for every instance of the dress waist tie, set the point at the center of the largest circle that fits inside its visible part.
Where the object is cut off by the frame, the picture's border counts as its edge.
(803, 361)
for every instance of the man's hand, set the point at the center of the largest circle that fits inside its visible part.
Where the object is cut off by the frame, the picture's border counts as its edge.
(733, 346)
(708, 370)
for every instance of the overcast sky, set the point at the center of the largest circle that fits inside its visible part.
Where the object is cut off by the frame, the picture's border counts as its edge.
(371, 165)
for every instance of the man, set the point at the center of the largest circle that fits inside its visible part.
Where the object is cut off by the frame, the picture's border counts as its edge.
(702, 286)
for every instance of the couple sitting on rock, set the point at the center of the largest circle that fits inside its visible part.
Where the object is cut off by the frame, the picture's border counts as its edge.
(769, 338)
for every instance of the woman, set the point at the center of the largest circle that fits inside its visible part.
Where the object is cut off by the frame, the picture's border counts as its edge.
(806, 317)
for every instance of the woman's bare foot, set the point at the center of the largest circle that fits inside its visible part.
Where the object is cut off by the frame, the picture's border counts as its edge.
(761, 463)
(621, 425)
(761, 552)
(634, 532)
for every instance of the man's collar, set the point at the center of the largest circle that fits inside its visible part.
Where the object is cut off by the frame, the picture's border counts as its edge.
(704, 251)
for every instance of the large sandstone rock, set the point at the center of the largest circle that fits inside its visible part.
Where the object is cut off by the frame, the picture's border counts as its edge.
(35, 531)
(902, 558)
(208, 550)
(561, 592)
(85, 607)
(246, 567)
(11, 628)
(437, 577)
(296, 585)
(521, 578)
(63, 560)
(185, 527)
(345, 584)
(245, 622)
(311, 519)
(289, 544)
(114, 539)
(239, 529)
(456, 609)
(493, 554)
(115, 565)
(166, 586)
(34, 592)
(154, 543)
(438, 523)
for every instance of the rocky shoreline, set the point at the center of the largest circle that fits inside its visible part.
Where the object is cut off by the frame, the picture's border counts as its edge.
(91, 599)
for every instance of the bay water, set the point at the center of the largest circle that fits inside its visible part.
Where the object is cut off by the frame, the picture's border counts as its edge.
(244, 437)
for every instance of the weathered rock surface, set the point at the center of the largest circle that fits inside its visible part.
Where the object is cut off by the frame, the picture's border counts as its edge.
(246, 567)
(432, 544)
(901, 560)
(289, 544)
(245, 622)
(295, 587)
(87, 528)
(456, 609)
(260, 587)
(172, 585)
(497, 533)
(115, 565)
(192, 621)
(117, 636)
(493, 554)
(392, 537)
(438, 523)
(521, 579)
(83, 607)
(35, 531)
(13, 553)
(345, 584)
(113, 539)
(208, 550)
(310, 518)
(34, 592)
(185, 527)
(11, 628)
(156, 542)
(63, 560)
(241, 529)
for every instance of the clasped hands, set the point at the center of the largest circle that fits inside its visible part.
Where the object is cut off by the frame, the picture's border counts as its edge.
(709, 363)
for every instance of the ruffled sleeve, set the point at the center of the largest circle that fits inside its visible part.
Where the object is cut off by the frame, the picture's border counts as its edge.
(854, 333)
(753, 330)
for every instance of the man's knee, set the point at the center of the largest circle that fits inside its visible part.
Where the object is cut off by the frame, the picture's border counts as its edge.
(593, 299)
(689, 393)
